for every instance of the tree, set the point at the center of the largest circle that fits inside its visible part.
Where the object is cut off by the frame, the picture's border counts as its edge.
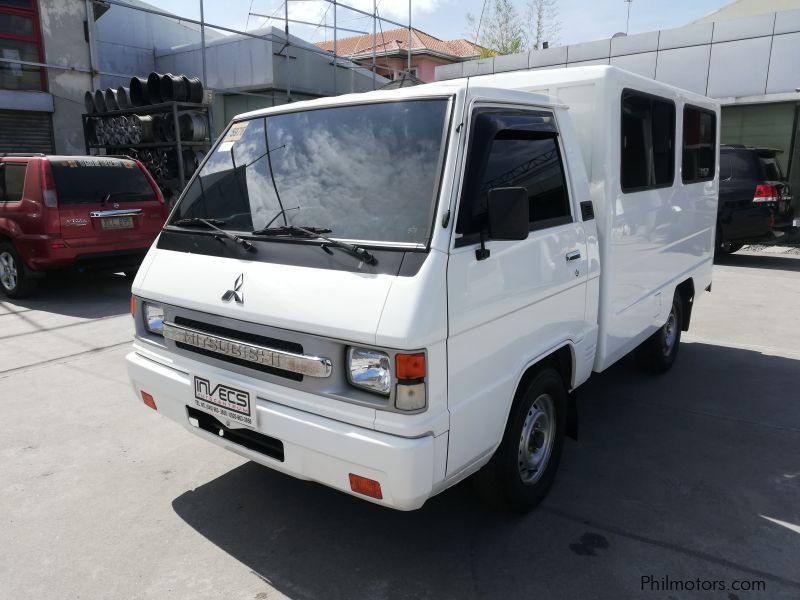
(500, 30)
(543, 17)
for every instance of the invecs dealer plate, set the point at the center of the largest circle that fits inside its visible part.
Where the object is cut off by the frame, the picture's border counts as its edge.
(226, 403)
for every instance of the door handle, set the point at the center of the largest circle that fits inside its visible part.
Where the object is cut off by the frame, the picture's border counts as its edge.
(574, 255)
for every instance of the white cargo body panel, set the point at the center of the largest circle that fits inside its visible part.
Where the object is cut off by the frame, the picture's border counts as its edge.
(650, 240)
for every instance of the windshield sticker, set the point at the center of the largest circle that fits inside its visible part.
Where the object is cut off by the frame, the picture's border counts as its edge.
(225, 147)
(236, 132)
(94, 162)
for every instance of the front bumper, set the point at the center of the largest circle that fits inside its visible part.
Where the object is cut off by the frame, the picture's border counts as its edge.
(315, 448)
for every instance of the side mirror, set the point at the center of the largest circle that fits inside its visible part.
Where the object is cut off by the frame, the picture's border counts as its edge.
(509, 213)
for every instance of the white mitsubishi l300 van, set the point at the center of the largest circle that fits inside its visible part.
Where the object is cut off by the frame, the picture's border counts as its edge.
(390, 291)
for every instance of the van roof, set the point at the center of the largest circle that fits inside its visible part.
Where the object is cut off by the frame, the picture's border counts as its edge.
(427, 90)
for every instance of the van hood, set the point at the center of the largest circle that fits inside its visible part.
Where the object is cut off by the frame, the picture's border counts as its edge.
(333, 303)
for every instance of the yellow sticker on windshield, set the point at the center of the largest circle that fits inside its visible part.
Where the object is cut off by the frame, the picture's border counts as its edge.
(236, 131)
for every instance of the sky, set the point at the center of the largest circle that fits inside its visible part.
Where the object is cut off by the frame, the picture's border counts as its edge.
(580, 20)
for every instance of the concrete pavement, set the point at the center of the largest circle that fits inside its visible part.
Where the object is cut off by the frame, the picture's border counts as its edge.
(694, 474)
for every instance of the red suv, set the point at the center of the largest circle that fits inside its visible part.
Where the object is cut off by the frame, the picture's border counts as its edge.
(87, 212)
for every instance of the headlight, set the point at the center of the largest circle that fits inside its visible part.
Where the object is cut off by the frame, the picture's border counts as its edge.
(153, 318)
(370, 370)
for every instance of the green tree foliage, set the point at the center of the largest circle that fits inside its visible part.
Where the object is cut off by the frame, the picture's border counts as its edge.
(544, 23)
(501, 30)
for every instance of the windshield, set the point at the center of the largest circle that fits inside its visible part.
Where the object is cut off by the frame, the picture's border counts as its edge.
(366, 172)
(91, 181)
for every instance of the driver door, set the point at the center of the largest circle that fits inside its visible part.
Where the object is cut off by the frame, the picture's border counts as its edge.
(527, 297)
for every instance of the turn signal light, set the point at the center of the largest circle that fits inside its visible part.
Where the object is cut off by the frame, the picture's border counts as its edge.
(149, 400)
(368, 487)
(410, 366)
(133, 305)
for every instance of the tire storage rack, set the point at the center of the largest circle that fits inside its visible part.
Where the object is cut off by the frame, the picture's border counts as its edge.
(170, 137)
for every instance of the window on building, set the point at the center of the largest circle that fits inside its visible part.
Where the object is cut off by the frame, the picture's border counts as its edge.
(513, 149)
(20, 43)
(699, 144)
(648, 142)
(12, 181)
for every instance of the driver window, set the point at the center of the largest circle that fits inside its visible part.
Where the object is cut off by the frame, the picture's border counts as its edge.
(513, 149)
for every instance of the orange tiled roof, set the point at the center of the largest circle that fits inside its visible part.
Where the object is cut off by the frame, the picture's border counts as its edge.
(396, 40)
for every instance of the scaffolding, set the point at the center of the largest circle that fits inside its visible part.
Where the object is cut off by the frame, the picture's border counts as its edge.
(376, 20)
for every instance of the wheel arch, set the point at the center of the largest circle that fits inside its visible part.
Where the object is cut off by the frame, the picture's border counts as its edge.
(562, 359)
(685, 290)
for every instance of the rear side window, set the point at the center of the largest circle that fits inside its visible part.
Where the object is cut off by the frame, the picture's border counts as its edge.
(85, 181)
(514, 149)
(699, 144)
(12, 181)
(770, 167)
(648, 142)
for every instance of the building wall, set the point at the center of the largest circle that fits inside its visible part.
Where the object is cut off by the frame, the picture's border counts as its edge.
(128, 40)
(741, 58)
(749, 64)
(62, 24)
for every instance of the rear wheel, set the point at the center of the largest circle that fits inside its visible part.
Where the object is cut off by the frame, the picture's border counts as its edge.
(15, 277)
(660, 350)
(524, 466)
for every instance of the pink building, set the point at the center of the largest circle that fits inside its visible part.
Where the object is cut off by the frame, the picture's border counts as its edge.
(391, 51)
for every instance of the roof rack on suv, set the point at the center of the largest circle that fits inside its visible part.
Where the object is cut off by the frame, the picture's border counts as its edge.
(20, 154)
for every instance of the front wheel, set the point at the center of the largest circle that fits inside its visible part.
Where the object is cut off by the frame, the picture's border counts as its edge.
(15, 277)
(524, 466)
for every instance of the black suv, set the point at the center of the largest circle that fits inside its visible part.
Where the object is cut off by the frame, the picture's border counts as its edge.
(755, 200)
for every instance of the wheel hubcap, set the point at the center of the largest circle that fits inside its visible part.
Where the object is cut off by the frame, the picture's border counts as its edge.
(8, 271)
(670, 331)
(536, 440)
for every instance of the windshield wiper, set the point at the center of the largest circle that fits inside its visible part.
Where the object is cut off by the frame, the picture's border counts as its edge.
(212, 223)
(316, 232)
(111, 195)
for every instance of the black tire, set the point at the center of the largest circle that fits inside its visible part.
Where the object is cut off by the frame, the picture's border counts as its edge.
(659, 351)
(734, 247)
(16, 280)
(510, 481)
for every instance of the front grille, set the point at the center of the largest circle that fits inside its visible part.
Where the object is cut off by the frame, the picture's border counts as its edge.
(257, 442)
(242, 336)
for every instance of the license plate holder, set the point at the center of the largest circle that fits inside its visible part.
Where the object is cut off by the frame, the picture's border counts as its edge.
(116, 223)
(231, 405)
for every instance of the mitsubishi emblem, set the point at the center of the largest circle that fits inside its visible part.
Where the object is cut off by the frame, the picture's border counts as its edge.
(235, 293)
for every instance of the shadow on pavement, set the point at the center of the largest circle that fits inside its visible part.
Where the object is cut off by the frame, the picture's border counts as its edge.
(760, 261)
(672, 475)
(75, 295)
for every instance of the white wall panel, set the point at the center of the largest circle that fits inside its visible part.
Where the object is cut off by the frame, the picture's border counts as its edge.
(588, 63)
(787, 21)
(452, 71)
(740, 29)
(685, 68)
(784, 75)
(692, 35)
(739, 68)
(589, 51)
(632, 44)
(483, 66)
(548, 57)
(642, 64)
(510, 62)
